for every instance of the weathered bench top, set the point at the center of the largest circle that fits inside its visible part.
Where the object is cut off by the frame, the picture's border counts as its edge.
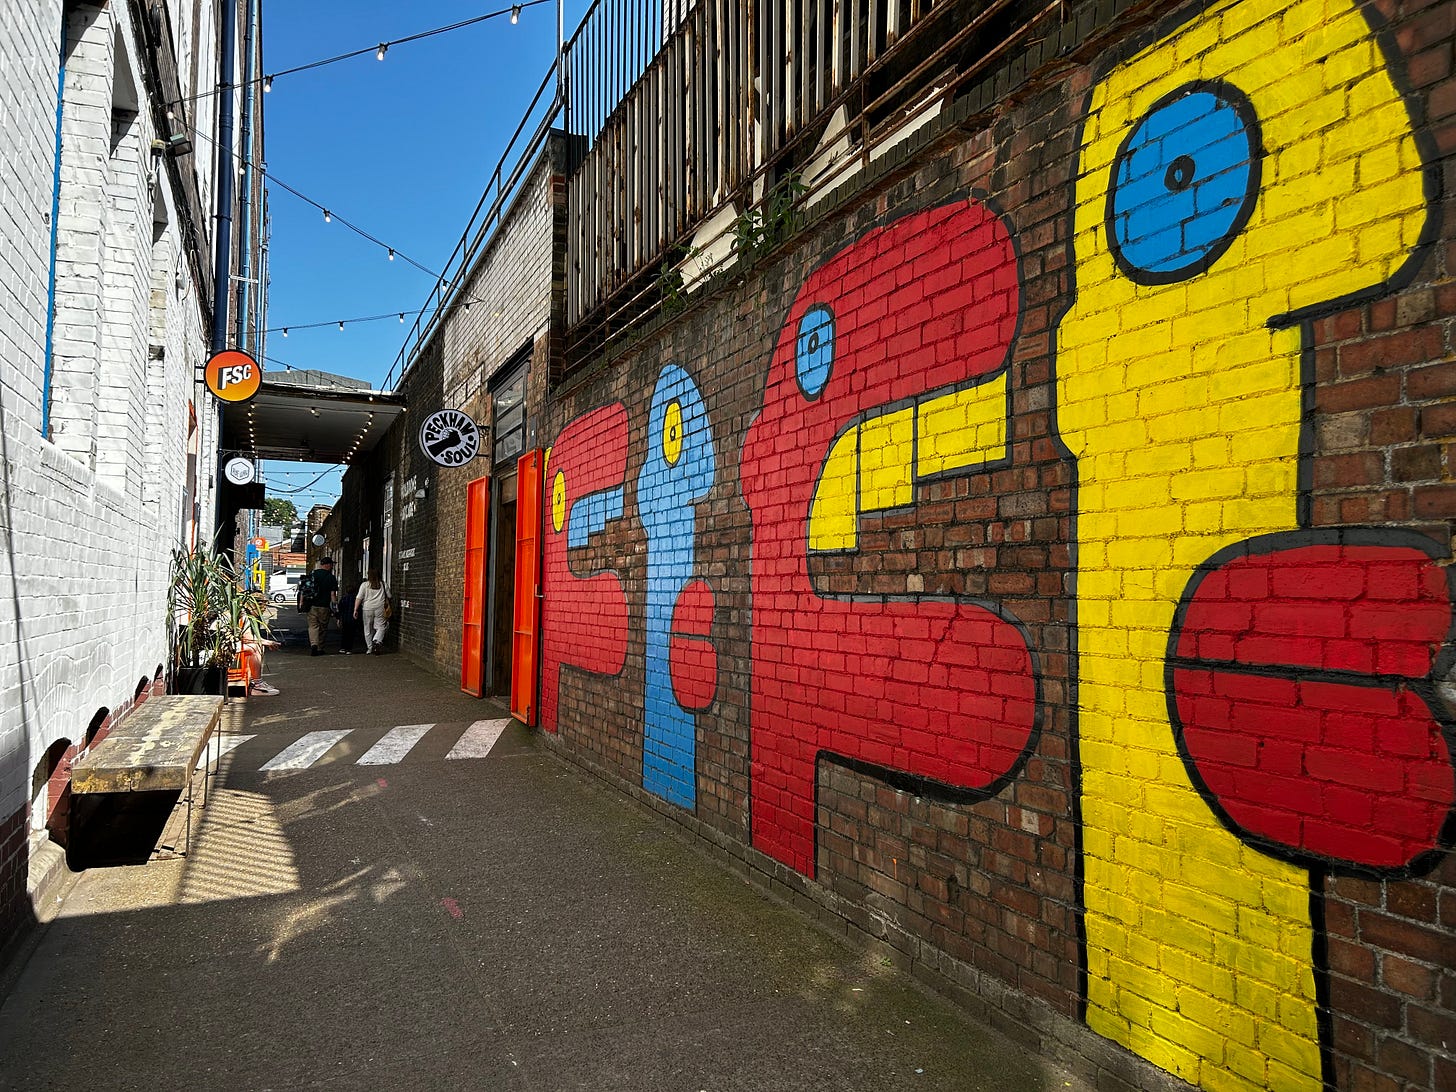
(155, 748)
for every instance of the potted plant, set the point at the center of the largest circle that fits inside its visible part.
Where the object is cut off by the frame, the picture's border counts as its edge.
(210, 614)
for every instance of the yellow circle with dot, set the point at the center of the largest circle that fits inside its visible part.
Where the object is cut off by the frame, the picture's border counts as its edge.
(558, 502)
(672, 433)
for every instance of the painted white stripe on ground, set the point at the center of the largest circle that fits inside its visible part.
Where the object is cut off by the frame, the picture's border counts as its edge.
(395, 744)
(478, 739)
(231, 743)
(307, 751)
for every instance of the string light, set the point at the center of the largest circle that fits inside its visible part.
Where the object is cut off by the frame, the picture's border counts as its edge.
(391, 254)
(340, 321)
(378, 50)
(341, 324)
(285, 331)
(329, 217)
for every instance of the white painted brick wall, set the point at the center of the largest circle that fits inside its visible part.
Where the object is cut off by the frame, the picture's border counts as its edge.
(87, 522)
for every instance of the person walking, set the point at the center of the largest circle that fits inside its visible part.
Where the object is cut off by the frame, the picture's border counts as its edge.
(348, 623)
(321, 604)
(373, 605)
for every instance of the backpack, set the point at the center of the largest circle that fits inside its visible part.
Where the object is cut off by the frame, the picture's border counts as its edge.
(306, 593)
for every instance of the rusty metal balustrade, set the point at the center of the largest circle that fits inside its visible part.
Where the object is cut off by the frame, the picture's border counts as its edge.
(674, 111)
(679, 112)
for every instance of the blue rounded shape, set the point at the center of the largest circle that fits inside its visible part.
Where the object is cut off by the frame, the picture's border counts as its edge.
(1184, 184)
(814, 352)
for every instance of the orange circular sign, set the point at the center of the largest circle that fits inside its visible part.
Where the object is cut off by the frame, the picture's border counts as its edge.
(233, 375)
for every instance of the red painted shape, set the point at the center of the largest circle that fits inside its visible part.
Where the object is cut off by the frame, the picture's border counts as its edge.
(692, 659)
(1296, 690)
(583, 619)
(940, 690)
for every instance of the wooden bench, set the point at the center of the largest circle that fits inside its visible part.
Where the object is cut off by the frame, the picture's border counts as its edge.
(155, 749)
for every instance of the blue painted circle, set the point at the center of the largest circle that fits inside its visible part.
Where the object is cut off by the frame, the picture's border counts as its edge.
(814, 352)
(1184, 185)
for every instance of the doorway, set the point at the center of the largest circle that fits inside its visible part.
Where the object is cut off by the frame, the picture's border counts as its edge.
(502, 583)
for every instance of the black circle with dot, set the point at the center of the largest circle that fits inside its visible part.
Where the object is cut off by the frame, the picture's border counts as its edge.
(1180, 174)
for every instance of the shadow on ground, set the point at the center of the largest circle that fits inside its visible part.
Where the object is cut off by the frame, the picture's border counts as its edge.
(499, 923)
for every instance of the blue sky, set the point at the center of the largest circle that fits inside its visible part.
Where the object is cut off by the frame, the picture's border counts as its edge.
(401, 147)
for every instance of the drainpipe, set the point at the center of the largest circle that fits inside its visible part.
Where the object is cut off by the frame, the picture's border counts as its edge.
(223, 241)
(245, 200)
(222, 258)
(50, 333)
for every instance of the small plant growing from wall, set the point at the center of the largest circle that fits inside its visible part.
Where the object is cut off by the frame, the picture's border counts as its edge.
(763, 227)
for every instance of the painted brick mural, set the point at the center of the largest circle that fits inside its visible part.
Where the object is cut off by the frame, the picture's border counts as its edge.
(1047, 557)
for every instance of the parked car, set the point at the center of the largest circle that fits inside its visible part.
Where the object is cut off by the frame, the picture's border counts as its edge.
(283, 586)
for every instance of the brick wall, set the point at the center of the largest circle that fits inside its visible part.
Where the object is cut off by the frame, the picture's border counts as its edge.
(1042, 562)
(89, 515)
(504, 308)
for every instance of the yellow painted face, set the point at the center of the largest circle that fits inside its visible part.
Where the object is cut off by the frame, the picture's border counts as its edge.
(672, 433)
(1256, 163)
(558, 502)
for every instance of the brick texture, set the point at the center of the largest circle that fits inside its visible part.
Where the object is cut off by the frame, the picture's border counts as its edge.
(1041, 563)
(96, 439)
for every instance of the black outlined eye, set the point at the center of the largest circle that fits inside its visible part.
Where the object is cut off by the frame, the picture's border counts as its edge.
(1184, 183)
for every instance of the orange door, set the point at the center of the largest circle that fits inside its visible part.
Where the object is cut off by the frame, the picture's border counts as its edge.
(472, 637)
(527, 619)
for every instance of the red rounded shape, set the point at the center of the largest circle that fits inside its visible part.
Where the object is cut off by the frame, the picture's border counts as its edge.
(693, 664)
(1291, 688)
(692, 614)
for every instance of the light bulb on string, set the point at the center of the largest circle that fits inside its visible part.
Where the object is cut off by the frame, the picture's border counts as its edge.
(401, 316)
(515, 14)
(267, 84)
(341, 324)
(285, 331)
(391, 254)
(328, 217)
(383, 48)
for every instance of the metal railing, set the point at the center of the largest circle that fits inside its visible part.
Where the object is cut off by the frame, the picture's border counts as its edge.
(735, 89)
(677, 110)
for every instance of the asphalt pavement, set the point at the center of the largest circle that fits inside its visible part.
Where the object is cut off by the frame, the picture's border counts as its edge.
(395, 887)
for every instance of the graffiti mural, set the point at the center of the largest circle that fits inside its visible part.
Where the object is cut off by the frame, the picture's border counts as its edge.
(1255, 696)
(583, 618)
(682, 665)
(879, 381)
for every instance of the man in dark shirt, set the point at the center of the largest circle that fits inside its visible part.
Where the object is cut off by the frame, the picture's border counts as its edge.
(325, 595)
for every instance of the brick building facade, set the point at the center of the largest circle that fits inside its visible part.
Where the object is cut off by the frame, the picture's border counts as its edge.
(110, 443)
(1039, 560)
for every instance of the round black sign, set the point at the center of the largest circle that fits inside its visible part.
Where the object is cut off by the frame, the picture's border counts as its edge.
(450, 438)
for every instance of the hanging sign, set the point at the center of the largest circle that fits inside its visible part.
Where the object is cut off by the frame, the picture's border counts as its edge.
(238, 470)
(233, 376)
(450, 438)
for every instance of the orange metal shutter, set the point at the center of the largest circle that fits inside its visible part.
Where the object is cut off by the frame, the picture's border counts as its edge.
(472, 637)
(525, 653)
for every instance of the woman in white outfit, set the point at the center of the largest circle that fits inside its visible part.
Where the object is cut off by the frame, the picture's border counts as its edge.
(372, 603)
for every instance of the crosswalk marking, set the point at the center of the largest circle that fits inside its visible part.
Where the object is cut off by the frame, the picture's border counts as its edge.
(478, 739)
(227, 744)
(395, 745)
(307, 751)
